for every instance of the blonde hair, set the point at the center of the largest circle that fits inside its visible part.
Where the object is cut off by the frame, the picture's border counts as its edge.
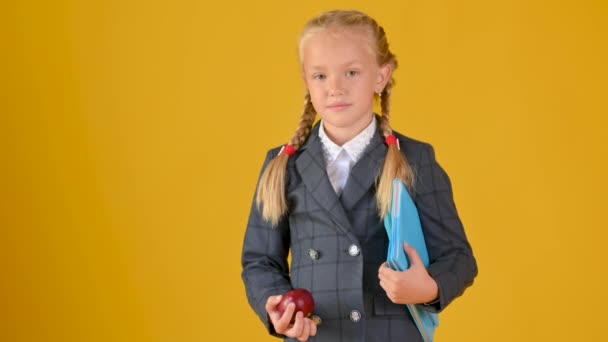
(271, 189)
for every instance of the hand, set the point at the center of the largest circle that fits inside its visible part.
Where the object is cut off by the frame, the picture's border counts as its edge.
(413, 286)
(301, 329)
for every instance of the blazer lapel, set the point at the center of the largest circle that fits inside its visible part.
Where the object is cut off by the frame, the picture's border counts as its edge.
(310, 164)
(365, 172)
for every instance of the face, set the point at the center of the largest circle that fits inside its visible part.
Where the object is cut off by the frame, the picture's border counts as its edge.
(342, 75)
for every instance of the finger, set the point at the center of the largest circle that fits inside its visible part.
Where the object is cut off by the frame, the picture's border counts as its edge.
(388, 288)
(296, 330)
(386, 272)
(383, 285)
(305, 330)
(272, 302)
(412, 254)
(271, 306)
(313, 328)
(383, 277)
(383, 268)
(284, 321)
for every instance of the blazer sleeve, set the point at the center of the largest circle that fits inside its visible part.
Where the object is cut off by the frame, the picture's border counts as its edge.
(265, 270)
(452, 263)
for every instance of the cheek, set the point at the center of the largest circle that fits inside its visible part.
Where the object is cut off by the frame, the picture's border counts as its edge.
(318, 105)
(316, 96)
(366, 85)
(315, 90)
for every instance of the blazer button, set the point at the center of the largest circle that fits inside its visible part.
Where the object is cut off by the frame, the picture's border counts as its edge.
(355, 316)
(353, 250)
(313, 254)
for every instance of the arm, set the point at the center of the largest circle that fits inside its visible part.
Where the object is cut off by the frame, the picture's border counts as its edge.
(453, 265)
(264, 260)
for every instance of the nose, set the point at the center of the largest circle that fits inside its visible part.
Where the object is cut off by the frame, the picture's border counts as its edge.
(335, 86)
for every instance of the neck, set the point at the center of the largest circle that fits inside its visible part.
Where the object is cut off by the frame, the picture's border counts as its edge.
(342, 135)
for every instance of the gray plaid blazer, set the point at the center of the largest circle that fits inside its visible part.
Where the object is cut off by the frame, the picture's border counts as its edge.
(338, 243)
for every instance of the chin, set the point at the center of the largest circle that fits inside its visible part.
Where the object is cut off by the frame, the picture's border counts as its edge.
(338, 119)
(341, 120)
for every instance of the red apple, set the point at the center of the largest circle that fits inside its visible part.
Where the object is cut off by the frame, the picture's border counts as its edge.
(303, 301)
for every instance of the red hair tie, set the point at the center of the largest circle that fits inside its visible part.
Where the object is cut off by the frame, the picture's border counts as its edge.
(288, 149)
(392, 139)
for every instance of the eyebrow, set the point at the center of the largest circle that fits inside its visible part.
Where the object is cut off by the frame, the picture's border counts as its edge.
(319, 67)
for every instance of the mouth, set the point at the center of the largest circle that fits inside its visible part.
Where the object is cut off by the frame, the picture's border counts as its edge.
(338, 107)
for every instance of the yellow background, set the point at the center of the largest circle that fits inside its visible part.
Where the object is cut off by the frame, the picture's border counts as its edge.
(132, 134)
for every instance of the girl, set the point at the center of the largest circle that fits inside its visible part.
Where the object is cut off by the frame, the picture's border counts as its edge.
(324, 196)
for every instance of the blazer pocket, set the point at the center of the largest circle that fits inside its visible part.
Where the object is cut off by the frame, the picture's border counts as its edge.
(384, 307)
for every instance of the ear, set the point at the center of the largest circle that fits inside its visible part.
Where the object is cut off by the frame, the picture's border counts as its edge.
(384, 75)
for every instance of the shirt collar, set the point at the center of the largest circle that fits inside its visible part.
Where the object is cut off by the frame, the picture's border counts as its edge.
(354, 147)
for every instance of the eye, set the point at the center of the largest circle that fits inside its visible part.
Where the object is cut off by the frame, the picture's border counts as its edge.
(319, 76)
(352, 73)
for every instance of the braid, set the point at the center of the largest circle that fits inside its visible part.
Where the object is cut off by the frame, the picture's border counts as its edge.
(271, 190)
(395, 163)
(306, 121)
(385, 106)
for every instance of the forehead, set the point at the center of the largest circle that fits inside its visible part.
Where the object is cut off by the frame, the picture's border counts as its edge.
(334, 48)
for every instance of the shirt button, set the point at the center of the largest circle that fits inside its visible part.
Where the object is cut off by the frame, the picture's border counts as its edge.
(355, 316)
(353, 250)
(313, 254)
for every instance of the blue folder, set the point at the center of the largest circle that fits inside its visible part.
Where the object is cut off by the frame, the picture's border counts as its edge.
(403, 225)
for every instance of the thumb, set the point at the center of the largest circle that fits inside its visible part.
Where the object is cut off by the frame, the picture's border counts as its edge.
(412, 254)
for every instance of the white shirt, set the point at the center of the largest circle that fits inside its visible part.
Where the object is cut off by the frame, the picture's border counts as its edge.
(340, 159)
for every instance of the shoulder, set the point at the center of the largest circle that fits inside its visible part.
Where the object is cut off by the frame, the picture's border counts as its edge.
(274, 151)
(417, 151)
